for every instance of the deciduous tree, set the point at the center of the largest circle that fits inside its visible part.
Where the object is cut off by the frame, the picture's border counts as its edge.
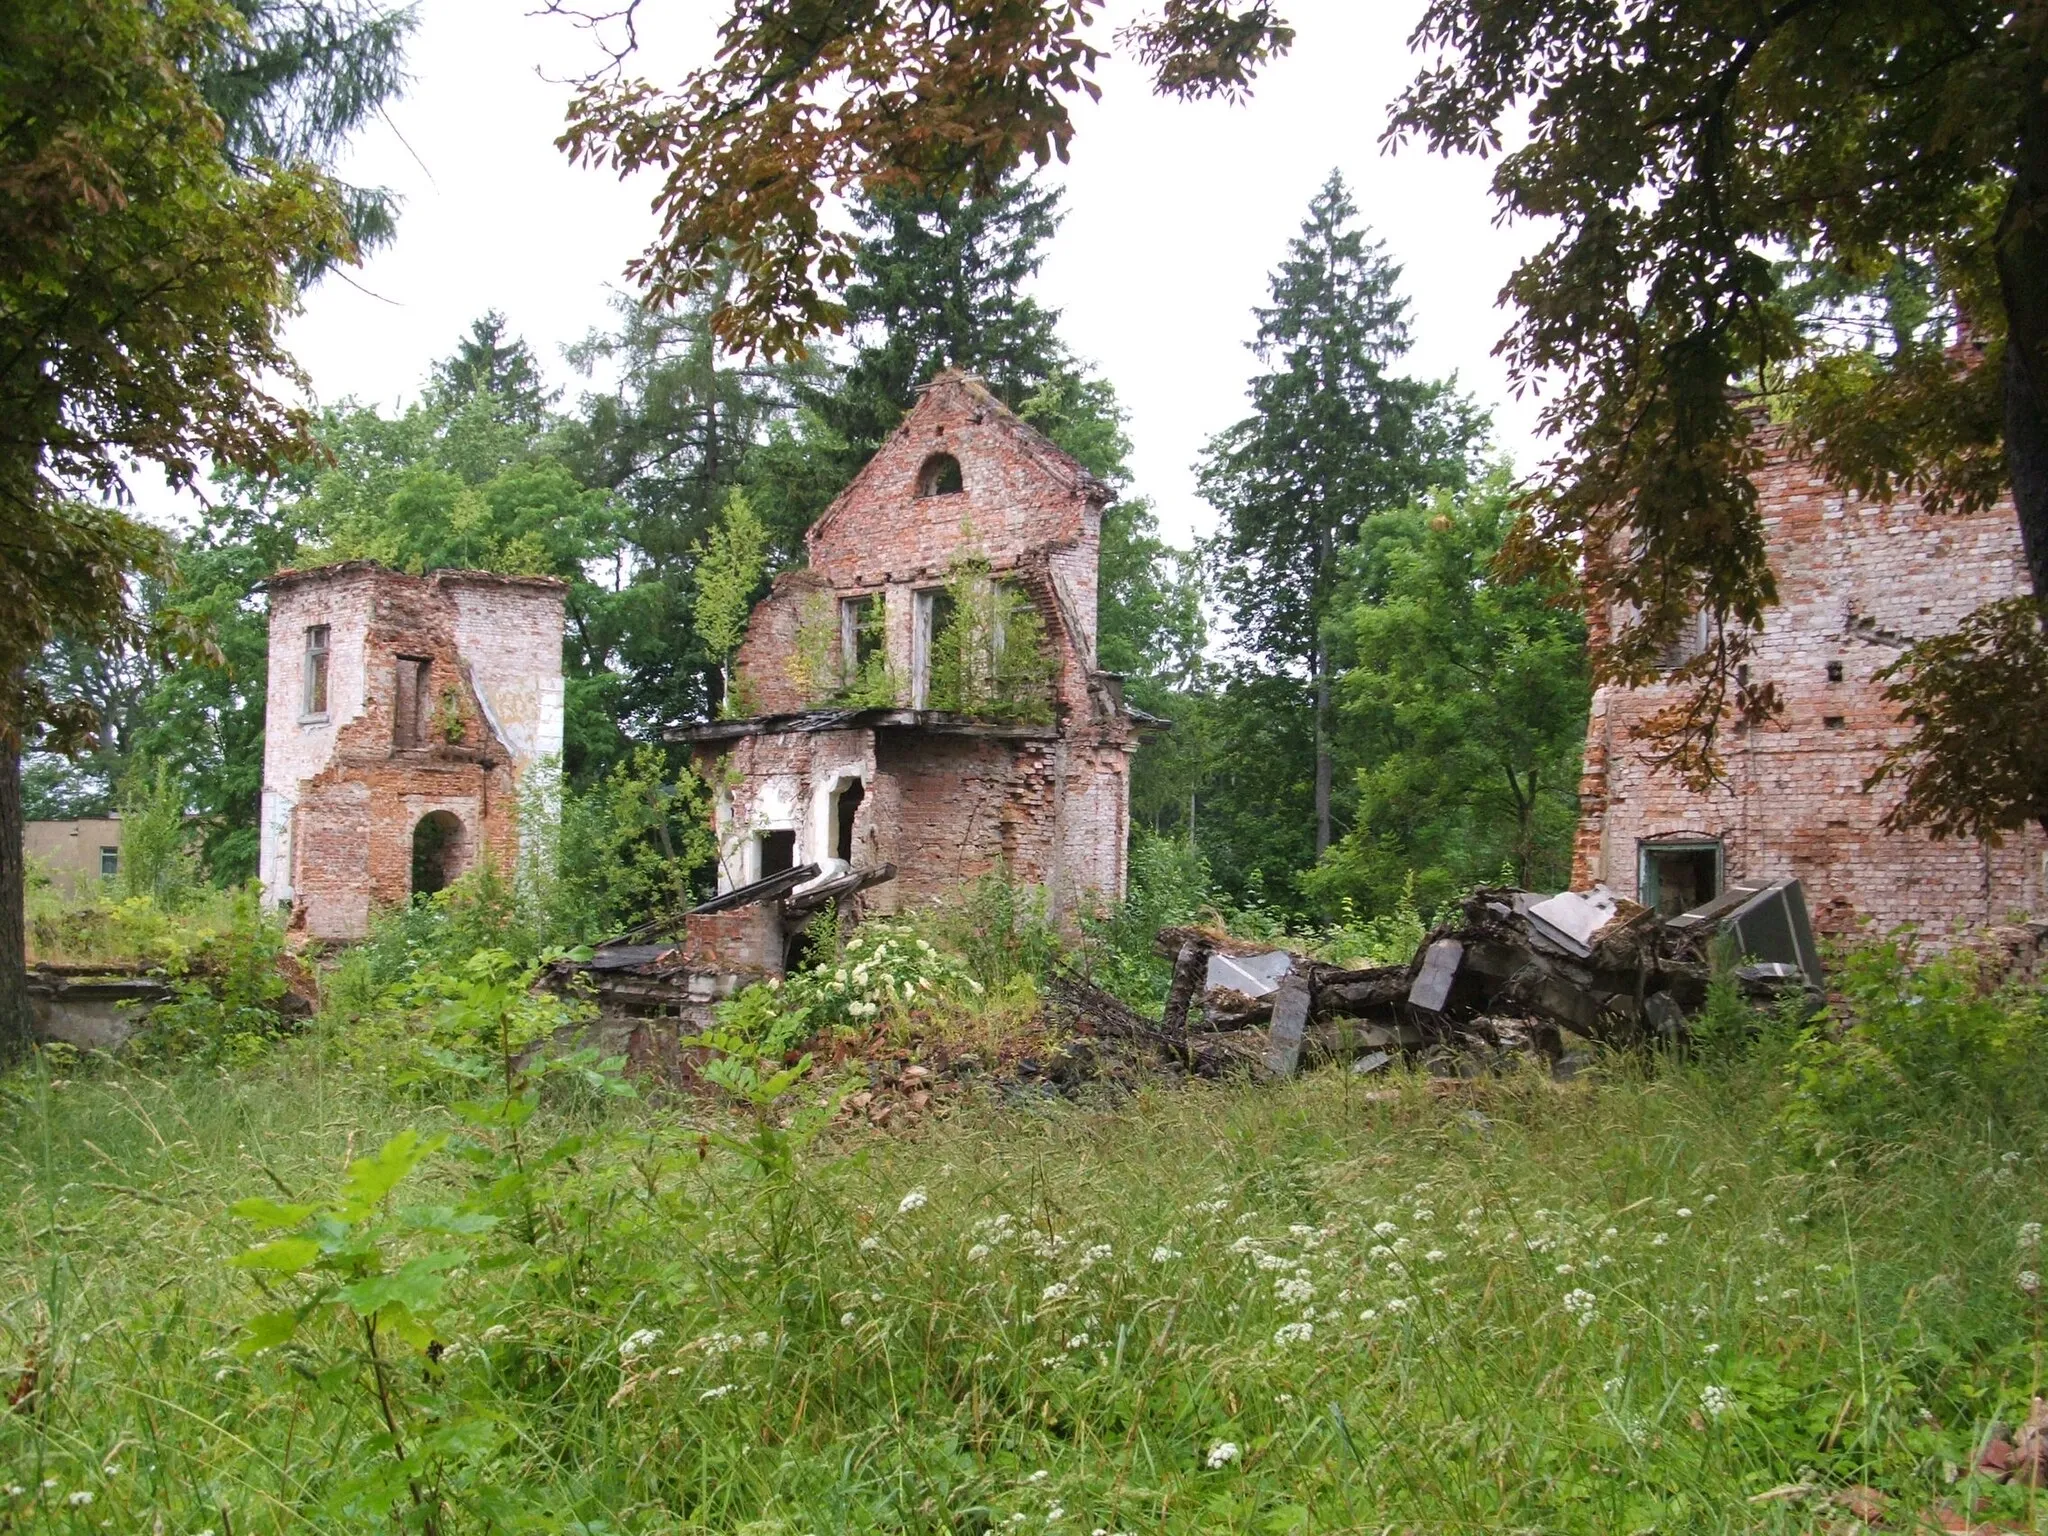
(1467, 693)
(143, 274)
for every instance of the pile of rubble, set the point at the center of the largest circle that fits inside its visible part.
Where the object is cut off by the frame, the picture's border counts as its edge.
(1516, 973)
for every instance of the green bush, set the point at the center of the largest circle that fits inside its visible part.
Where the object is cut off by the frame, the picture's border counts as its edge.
(627, 849)
(1167, 885)
(1922, 1046)
(227, 987)
(1000, 931)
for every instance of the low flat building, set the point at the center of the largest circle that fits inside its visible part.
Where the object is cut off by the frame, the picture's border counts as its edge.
(76, 855)
(1858, 582)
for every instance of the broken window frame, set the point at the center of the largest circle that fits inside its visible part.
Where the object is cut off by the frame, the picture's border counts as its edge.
(926, 622)
(1649, 880)
(862, 633)
(313, 690)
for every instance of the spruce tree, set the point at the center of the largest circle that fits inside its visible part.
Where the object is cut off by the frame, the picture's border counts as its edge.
(1334, 437)
(487, 361)
(941, 285)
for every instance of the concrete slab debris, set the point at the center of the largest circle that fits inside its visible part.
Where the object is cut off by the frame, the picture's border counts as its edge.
(1290, 1019)
(1250, 975)
(1432, 988)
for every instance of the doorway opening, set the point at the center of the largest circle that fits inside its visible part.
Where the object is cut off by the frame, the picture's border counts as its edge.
(436, 852)
(845, 806)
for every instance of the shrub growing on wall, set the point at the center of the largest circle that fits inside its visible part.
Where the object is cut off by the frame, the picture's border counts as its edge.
(989, 657)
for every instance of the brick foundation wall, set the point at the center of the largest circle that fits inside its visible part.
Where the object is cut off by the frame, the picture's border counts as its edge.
(1857, 582)
(746, 941)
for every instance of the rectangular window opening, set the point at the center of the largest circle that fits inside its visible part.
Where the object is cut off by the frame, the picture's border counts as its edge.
(845, 806)
(110, 862)
(1694, 636)
(315, 699)
(409, 708)
(778, 851)
(860, 633)
(1675, 877)
(933, 613)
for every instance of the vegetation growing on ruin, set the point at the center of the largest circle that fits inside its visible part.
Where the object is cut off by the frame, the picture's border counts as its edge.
(990, 659)
(819, 665)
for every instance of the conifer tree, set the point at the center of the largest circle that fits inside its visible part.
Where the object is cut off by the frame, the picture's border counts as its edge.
(1334, 437)
(941, 284)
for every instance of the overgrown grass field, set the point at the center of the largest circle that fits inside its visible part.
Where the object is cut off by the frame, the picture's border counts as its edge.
(1618, 1305)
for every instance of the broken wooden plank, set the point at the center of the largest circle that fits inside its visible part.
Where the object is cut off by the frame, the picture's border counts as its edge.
(1188, 969)
(760, 890)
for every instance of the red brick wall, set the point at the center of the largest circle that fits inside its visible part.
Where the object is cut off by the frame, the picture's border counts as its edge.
(1857, 581)
(1024, 506)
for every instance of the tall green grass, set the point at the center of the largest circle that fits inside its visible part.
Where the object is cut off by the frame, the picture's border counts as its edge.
(1612, 1307)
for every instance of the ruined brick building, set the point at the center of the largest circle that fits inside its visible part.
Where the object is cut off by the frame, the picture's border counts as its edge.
(403, 713)
(858, 748)
(1858, 581)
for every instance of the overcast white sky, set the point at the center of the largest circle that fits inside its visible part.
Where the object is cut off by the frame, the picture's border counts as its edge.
(1174, 215)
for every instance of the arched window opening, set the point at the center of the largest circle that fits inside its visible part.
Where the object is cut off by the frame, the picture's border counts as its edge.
(940, 476)
(436, 852)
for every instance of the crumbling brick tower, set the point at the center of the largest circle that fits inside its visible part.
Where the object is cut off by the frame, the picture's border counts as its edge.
(1858, 581)
(403, 715)
(844, 760)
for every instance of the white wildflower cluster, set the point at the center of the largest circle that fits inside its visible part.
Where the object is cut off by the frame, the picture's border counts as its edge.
(1716, 1402)
(2030, 1282)
(1164, 1255)
(713, 1394)
(1581, 1304)
(1384, 1229)
(1097, 1253)
(716, 1344)
(1208, 1207)
(1059, 1290)
(885, 969)
(637, 1343)
(1294, 1291)
(1223, 1453)
(2030, 1235)
(990, 1233)
(1041, 1246)
(914, 1200)
(1294, 1333)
